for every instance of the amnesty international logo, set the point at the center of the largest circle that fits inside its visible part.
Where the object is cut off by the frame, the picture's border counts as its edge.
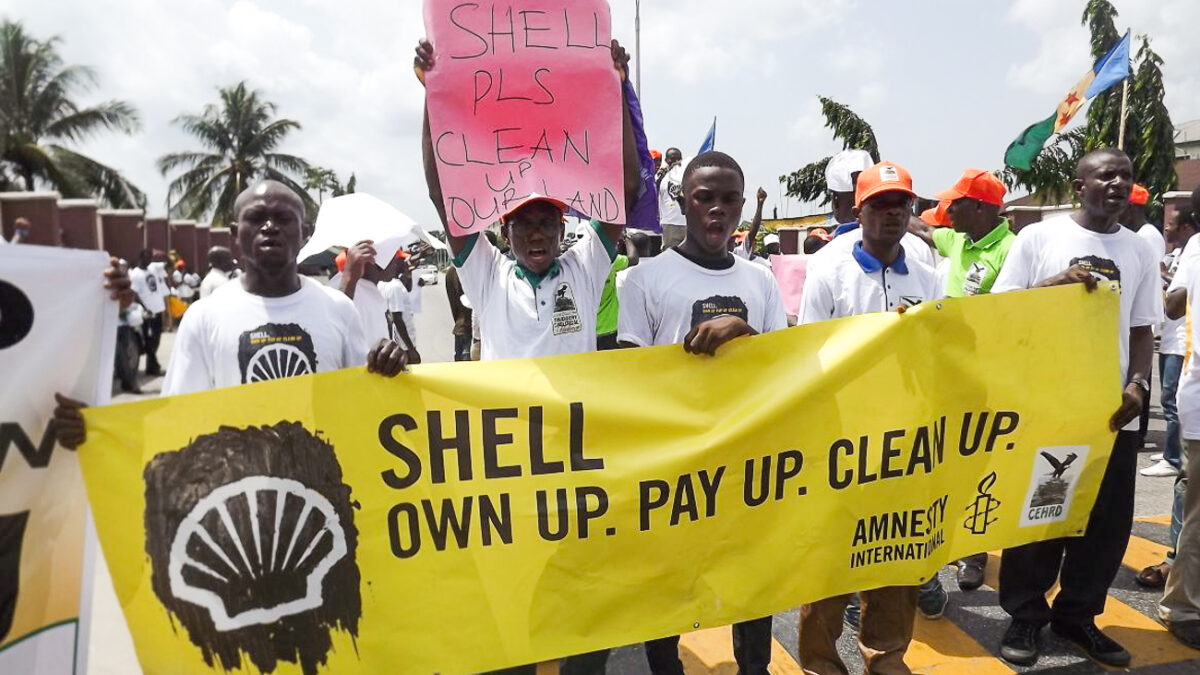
(980, 511)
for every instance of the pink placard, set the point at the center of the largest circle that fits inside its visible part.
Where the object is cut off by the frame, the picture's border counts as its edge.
(790, 271)
(523, 98)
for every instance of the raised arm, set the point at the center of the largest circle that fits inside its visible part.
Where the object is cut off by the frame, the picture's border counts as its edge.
(630, 161)
(422, 63)
(756, 223)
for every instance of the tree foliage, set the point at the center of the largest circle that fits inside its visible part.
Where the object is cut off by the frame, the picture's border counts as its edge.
(1050, 178)
(808, 182)
(1151, 128)
(240, 137)
(39, 116)
(322, 180)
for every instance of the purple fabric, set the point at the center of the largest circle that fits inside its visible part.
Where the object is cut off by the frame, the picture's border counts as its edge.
(644, 214)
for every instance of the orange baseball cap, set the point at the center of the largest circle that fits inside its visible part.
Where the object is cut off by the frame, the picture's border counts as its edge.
(654, 154)
(883, 177)
(976, 184)
(938, 216)
(1139, 195)
(531, 198)
(340, 260)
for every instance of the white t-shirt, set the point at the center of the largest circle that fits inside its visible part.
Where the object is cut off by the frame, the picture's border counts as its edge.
(521, 316)
(159, 270)
(915, 248)
(855, 283)
(1046, 249)
(212, 281)
(1187, 397)
(670, 189)
(1174, 331)
(374, 312)
(414, 296)
(233, 337)
(1151, 234)
(396, 295)
(148, 289)
(662, 298)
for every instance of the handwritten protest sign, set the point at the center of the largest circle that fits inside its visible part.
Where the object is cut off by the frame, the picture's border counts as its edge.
(523, 98)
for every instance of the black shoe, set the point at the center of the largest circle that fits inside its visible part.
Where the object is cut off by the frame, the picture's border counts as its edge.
(1094, 643)
(1020, 644)
(970, 576)
(1187, 632)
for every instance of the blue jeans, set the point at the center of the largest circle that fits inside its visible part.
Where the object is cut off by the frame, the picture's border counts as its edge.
(1170, 366)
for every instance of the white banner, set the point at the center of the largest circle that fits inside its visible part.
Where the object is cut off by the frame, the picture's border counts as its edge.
(57, 334)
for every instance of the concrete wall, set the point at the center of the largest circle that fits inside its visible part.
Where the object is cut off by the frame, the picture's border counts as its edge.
(203, 242)
(79, 223)
(122, 233)
(158, 234)
(183, 238)
(39, 208)
(220, 236)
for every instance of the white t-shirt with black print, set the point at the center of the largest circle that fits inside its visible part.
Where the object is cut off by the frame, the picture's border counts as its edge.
(664, 297)
(147, 287)
(522, 315)
(233, 337)
(1049, 248)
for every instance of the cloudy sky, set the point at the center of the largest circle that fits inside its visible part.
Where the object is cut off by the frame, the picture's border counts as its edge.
(946, 84)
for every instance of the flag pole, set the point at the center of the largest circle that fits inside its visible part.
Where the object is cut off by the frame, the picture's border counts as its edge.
(1124, 107)
(637, 45)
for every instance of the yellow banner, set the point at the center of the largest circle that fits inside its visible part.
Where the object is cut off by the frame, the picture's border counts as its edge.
(466, 517)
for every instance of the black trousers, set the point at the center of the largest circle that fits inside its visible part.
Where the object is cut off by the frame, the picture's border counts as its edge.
(128, 355)
(1144, 418)
(751, 650)
(462, 347)
(151, 336)
(592, 663)
(1087, 565)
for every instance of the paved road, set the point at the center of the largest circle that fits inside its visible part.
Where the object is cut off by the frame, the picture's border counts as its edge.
(964, 641)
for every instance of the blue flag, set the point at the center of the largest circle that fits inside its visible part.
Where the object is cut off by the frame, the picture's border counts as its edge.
(710, 141)
(1110, 69)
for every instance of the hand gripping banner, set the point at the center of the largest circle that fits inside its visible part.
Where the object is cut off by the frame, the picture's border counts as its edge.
(466, 517)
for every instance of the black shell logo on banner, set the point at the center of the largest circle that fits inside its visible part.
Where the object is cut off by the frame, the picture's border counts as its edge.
(249, 568)
(251, 539)
(16, 315)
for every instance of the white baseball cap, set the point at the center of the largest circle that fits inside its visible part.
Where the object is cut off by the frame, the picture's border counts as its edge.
(839, 172)
(770, 239)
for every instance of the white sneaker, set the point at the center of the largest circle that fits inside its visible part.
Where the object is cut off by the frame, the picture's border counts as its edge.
(1162, 469)
(1157, 457)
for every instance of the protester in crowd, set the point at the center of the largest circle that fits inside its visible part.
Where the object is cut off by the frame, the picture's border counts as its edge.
(359, 278)
(702, 296)
(157, 268)
(271, 324)
(539, 302)
(1084, 247)
(1172, 348)
(656, 156)
(412, 284)
(185, 282)
(21, 229)
(975, 247)
(815, 240)
(745, 249)
(221, 268)
(875, 274)
(129, 341)
(669, 180)
(841, 174)
(400, 303)
(460, 314)
(1134, 219)
(149, 289)
(1180, 606)
(606, 317)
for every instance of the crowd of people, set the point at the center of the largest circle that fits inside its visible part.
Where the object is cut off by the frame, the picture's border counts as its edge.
(528, 293)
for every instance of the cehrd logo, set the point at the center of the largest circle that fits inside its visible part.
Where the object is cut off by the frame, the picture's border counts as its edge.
(16, 315)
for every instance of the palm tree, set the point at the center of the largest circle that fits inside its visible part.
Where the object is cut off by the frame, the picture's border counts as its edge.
(38, 113)
(239, 137)
(808, 182)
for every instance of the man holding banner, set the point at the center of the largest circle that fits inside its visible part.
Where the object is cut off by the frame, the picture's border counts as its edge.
(701, 295)
(268, 324)
(540, 302)
(1083, 248)
(875, 275)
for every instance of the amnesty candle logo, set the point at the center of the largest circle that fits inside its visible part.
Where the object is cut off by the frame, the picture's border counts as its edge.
(251, 540)
(979, 514)
(1056, 472)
